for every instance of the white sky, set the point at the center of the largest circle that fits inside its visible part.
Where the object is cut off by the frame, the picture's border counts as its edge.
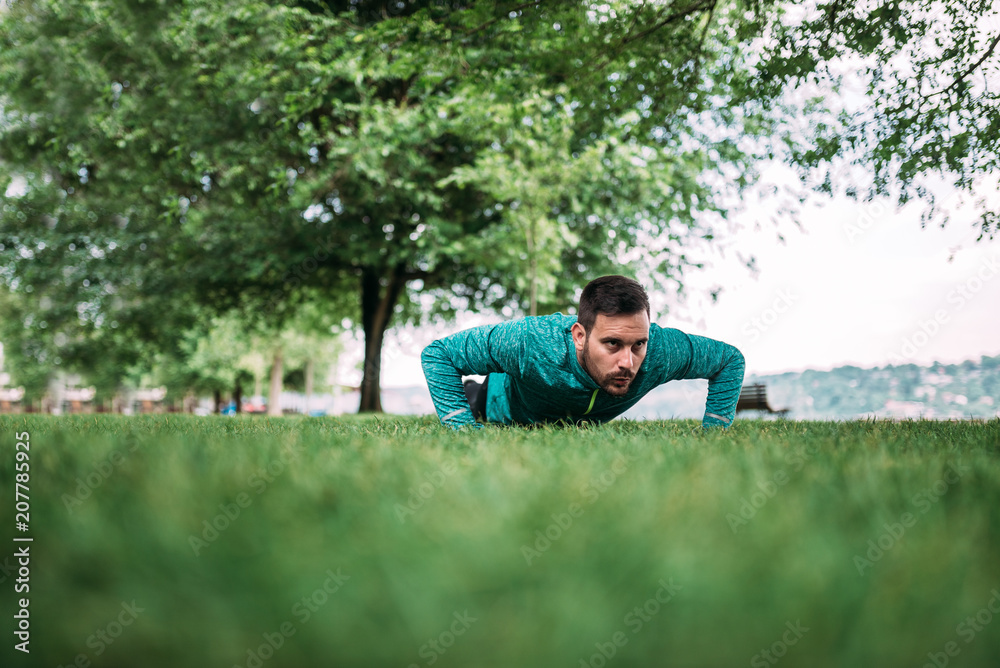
(860, 283)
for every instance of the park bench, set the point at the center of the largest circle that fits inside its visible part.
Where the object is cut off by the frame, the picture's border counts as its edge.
(754, 398)
(149, 400)
(10, 399)
(78, 400)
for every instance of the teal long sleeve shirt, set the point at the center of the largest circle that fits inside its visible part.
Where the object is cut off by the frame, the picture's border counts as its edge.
(534, 375)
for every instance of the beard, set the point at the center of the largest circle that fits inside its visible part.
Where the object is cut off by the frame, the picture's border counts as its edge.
(606, 382)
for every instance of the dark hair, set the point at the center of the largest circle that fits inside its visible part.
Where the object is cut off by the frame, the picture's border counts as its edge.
(610, 295)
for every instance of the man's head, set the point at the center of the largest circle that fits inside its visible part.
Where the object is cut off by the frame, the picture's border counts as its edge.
(611, 331)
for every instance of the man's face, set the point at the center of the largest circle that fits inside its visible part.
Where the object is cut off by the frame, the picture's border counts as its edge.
(614, 350)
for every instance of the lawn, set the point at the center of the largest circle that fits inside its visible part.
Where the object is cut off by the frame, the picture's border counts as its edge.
(391, 541)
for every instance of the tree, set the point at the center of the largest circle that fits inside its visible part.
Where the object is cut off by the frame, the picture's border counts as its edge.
(42, 342)
(19, 359)
(226, 355)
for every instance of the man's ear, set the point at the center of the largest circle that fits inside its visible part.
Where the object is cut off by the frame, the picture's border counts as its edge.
(579, 336)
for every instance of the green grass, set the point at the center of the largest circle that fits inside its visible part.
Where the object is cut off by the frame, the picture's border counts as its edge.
(668, 509)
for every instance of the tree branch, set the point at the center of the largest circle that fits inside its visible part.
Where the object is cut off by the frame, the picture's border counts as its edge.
(831, 21)
(417, 273)
(487, 24)
(704, 29)
(690, 9)
(698, 5)
(907, 104)
(968, 71)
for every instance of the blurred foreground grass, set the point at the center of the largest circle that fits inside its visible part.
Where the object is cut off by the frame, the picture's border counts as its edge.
(364, 541)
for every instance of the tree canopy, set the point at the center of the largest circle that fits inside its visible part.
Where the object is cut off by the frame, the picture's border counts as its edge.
(932, 96)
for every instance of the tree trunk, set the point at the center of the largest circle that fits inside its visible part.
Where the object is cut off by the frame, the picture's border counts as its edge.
(533, 276)
(309, 382)
(376, 311)
(274, 397)
(217, 395)
(238, 395)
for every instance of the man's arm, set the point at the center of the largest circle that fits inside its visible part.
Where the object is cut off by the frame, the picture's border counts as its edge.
(722, 364)
(477, 351)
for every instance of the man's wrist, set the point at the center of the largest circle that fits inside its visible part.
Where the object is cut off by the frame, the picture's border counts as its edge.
(715, 420)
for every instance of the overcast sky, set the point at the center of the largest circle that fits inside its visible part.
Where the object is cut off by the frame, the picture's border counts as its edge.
(860, 284)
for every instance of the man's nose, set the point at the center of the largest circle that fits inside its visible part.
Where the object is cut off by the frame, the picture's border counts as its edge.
(625, 359)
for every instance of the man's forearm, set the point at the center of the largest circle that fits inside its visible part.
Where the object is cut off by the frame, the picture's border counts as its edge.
(724, 390)
(477, 351)
(445, 384)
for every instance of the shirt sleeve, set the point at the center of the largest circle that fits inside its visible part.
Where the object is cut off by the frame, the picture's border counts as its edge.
(477, 351)
(693, 356)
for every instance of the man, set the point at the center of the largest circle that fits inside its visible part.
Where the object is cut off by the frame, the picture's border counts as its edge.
(592, 367)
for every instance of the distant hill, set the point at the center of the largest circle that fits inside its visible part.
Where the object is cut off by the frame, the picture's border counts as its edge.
(937, 391)
(969, 389)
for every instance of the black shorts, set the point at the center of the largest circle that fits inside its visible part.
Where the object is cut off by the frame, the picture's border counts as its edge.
(475, 393)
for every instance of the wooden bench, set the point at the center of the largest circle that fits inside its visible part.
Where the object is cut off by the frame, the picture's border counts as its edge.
(754, 398)
(78, 400)
(149, 400)
(10, 399)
